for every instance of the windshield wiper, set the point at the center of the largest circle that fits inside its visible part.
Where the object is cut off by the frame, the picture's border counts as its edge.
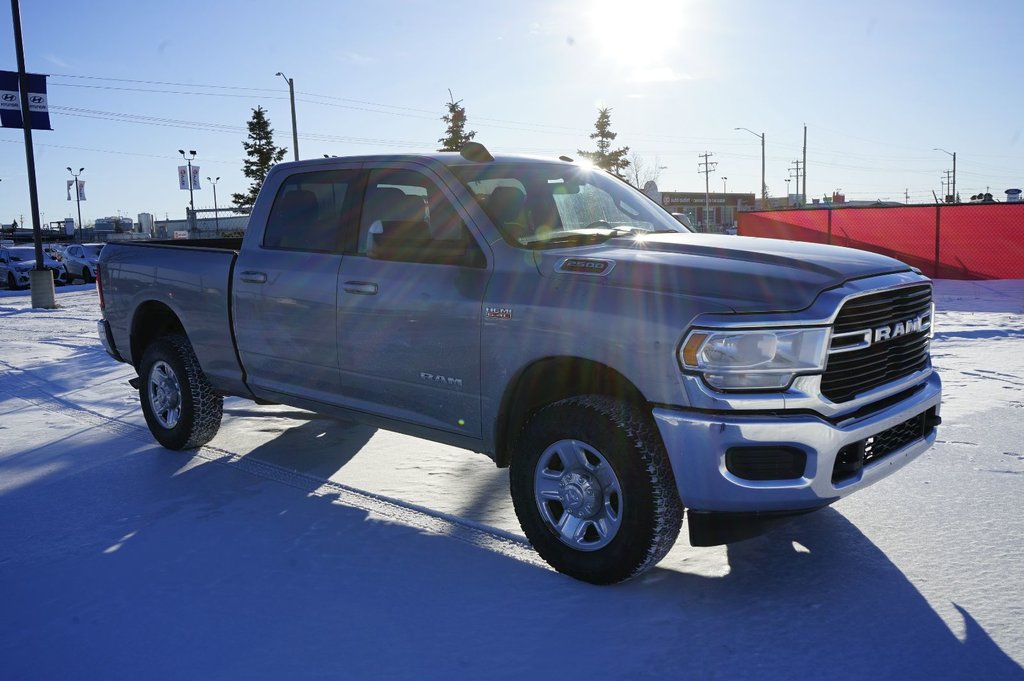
(573, 239)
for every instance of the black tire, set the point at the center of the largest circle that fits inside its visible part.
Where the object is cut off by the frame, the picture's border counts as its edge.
(181, 408)
(638, 501)
(11, 284)
(86, 276)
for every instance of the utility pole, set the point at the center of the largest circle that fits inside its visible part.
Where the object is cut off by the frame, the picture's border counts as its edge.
(953, 186)
(41, 282)
(216, 217)
(709, 166)
(796, 167)
(764, 186)
(906, 195)
(295, 130)
(803, 201)
(950, 187)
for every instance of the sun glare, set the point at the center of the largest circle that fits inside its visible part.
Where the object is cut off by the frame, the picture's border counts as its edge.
(640, 37)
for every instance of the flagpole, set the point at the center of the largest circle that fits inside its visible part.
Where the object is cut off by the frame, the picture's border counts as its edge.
(42, 295)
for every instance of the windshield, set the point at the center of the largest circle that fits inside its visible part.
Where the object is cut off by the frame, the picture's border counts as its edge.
(548, 205)
(22, 254)
(92, 251)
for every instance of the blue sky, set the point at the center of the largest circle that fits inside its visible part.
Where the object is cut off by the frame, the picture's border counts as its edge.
(879, 86)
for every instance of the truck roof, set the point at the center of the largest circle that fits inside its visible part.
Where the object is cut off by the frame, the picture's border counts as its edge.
(472, 154)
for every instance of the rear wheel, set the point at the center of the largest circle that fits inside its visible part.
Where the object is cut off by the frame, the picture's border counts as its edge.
(181, 408)
(86, 275)
(593, 489)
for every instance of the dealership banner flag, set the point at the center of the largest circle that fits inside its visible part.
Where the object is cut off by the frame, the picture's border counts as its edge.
(81, 189)
(183, 177)
(10, 101)
(195, 177)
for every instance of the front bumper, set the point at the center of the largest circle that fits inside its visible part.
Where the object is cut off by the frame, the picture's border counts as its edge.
(697, 444)
(24, 277)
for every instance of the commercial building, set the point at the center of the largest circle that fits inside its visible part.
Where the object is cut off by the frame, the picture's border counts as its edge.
(722, 208)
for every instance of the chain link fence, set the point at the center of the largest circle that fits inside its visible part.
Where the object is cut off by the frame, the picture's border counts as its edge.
(964, 241)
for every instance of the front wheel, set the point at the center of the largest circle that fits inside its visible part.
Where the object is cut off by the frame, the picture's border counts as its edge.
(86, 276)
(181, 408)
(593, 489)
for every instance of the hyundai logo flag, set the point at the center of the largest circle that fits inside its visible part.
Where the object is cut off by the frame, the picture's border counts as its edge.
(10, 101)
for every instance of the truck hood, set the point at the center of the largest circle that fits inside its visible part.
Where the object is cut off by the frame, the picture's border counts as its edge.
(744, 273)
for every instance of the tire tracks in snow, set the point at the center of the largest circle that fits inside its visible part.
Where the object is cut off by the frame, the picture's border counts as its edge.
(21, 385)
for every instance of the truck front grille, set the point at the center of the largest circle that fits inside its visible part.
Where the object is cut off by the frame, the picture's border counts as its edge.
(876, 339)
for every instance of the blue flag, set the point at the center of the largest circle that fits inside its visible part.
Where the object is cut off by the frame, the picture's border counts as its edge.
(10, 101)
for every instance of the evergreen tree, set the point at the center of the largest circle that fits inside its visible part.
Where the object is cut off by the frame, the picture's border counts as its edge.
(262, 154)
(612, 160)
(455, 136)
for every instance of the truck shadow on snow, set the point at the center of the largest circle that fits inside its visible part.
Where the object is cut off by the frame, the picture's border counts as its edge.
(812, 598)
(816, 587)
(180, 570)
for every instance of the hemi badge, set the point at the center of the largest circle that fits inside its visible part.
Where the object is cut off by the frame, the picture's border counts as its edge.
(498, 312)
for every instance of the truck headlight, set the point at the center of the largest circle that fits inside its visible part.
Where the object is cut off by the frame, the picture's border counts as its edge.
(754, 359)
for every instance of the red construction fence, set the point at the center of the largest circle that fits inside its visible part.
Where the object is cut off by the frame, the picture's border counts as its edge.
(965, 241)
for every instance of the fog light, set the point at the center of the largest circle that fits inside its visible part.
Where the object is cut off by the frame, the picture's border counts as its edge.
(766, 463)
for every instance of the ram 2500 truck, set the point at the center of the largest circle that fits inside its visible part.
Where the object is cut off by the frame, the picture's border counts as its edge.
(552, 317)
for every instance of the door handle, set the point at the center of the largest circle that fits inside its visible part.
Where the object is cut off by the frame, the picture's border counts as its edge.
(361, 288)
(254, 277)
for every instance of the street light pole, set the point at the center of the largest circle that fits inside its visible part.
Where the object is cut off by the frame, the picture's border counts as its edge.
(216, 217)
(764, 187)
(78, 201)
(724, 190)
(191, 196)
(295, 130)
(952, 190)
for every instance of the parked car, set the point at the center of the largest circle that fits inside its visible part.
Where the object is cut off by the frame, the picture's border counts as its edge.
(55, 251)
(80, 261)
(17, 261)
(684, 220)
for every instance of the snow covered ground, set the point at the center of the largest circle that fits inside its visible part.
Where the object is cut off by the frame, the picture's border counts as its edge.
(299, 547)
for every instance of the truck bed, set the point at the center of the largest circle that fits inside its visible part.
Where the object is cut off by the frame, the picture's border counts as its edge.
(192, 279)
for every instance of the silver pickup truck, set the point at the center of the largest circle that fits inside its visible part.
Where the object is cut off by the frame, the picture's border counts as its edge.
(552, 317)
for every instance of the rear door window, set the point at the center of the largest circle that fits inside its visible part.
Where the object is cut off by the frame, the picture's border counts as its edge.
(312, 211)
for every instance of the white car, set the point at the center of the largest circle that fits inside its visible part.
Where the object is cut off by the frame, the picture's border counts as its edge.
(80, 261)
(55, 251)
(17, 261)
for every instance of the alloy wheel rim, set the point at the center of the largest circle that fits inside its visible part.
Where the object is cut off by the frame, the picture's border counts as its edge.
(165, 394)
(578, 495)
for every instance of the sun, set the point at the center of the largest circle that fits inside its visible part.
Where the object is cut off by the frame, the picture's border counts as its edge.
(639, 37)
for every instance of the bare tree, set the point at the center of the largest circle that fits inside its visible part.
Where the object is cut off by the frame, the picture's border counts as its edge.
(641, 171)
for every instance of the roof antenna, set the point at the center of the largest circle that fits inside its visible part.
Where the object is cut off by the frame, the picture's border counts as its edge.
(474, 151)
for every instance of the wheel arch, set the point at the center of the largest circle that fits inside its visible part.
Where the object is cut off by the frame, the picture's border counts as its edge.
(549, 380)
(153, 319)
